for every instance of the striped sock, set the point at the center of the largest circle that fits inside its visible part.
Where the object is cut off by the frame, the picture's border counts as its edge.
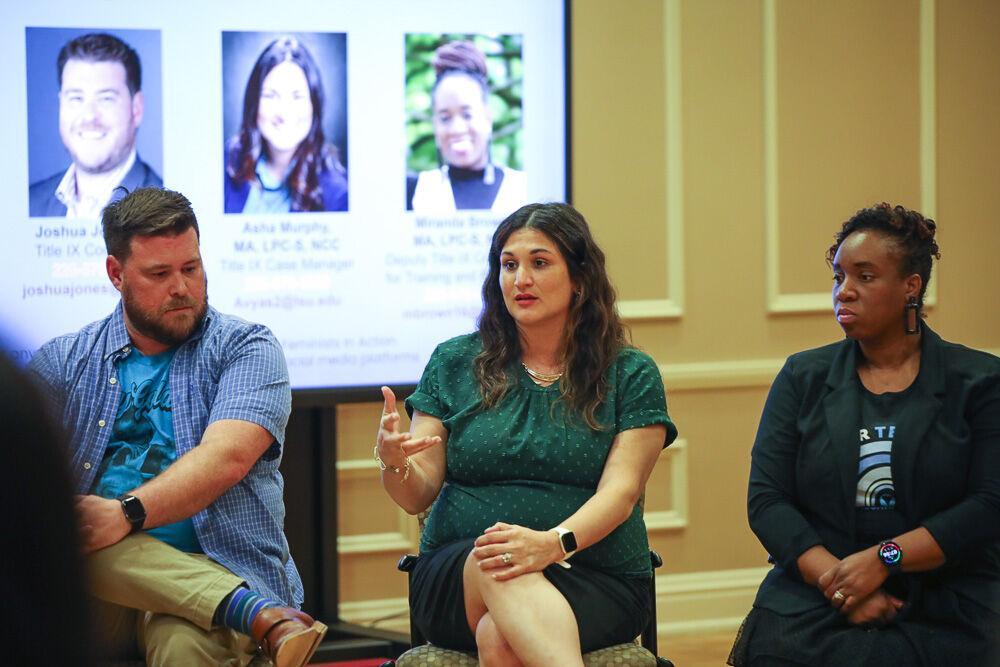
(238, 609)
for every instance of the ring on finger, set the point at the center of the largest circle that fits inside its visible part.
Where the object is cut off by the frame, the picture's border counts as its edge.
(506, 557)
(839, 596)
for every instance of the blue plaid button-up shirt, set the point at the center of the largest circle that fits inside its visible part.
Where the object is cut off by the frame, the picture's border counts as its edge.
(228, 369)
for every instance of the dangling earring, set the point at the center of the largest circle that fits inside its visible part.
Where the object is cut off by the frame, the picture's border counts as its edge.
(911, 316)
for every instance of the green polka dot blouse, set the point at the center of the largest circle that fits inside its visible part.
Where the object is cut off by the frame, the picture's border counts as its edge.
(522, 462)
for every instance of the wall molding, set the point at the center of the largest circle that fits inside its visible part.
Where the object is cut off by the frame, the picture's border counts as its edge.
(676, 516)
(730, 374)
(709, 601)
(779, 303)
(374, 543)
(384, 613)
(673, 305)
(402, 540)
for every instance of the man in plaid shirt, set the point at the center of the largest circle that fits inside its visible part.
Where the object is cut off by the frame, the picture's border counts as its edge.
(176, 415)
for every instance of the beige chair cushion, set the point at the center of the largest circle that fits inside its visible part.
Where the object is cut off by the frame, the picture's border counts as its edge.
(432, 656)
(622, 655)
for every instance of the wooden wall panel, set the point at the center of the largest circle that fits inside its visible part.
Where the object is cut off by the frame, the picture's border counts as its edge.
(842, 130)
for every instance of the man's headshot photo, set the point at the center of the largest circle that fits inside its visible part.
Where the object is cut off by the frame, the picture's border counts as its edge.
(102, 111)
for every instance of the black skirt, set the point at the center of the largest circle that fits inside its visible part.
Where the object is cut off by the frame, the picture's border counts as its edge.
(609, 610)
(936, 627)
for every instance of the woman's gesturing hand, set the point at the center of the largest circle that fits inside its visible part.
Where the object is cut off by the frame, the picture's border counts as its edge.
(509, 550)
(392, 446)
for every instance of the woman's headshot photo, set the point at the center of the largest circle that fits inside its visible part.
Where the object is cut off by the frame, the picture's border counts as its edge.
(286, 127)
(464, 123)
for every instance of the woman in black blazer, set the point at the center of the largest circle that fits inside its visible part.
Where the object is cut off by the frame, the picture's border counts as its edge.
(875, 476)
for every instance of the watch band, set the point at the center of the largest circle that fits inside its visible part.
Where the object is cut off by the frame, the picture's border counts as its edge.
(891, 556)
(567, 541)
(134, 512)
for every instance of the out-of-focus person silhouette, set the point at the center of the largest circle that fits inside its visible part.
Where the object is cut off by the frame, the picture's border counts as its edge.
(43, 602)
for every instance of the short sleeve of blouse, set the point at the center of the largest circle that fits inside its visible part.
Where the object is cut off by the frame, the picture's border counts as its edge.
(427, 396)
(447, 382)
(642, 400)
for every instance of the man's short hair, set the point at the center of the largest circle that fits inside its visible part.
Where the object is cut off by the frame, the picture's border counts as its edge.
(96, 47)
(145, 212)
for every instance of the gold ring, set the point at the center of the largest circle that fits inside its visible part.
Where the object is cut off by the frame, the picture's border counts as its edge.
(506, 558)
(837, 595)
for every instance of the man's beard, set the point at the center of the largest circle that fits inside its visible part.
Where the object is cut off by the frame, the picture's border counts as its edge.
(152, 325)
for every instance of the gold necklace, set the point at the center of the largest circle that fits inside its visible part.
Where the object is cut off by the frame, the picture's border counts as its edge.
(542, 377)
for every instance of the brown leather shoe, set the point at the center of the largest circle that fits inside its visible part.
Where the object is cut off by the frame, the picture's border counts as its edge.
(287, 636)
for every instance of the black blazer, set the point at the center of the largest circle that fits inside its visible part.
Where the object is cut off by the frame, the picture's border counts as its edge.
(945, 467)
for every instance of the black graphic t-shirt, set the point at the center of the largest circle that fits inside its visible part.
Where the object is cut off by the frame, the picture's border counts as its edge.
(876, 488)
(875, 498)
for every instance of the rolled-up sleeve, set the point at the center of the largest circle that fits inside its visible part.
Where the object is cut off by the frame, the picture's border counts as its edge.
(254, 385)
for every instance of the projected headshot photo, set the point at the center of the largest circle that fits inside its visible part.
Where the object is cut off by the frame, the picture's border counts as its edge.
(285, 119)
(464, 123)
(94, 118)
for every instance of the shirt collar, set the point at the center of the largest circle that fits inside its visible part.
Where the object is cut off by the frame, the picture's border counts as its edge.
(119, 343)
(267, 180)
(68, 194)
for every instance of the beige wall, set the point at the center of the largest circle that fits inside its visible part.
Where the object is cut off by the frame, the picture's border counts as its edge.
(717, 146)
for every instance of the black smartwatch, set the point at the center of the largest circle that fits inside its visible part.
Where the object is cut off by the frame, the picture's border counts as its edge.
(567, 540)
(891, 556)
(135, 513)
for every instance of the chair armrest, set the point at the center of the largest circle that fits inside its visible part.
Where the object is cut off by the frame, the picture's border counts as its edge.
(406, 562)
(655, 559)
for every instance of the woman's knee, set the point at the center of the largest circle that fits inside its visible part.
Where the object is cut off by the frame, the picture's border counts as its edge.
(493, 649)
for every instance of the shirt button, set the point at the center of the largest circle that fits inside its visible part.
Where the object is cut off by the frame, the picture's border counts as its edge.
(86, 466)
(112, 381)
(101, 423)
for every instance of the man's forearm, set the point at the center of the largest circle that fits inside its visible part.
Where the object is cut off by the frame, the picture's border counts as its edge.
(227, 451)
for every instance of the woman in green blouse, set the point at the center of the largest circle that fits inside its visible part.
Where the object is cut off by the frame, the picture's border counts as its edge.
(536, 436)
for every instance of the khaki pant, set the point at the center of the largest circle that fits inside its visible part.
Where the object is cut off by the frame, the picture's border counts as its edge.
(154, 601)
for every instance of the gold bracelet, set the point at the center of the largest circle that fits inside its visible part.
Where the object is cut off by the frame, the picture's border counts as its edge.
(405, 470)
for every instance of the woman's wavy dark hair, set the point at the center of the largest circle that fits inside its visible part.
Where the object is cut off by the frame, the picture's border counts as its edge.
(912, 233)
(312, 157)
(594, 332)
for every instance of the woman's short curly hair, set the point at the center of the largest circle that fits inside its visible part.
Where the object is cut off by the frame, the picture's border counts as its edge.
(912, 233)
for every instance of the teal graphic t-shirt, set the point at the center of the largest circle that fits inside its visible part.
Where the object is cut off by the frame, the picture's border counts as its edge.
(142, 440)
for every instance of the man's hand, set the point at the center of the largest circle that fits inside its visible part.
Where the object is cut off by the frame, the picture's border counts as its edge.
(102, 522)
(877, 609)
(853, 579)
(509, 550)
